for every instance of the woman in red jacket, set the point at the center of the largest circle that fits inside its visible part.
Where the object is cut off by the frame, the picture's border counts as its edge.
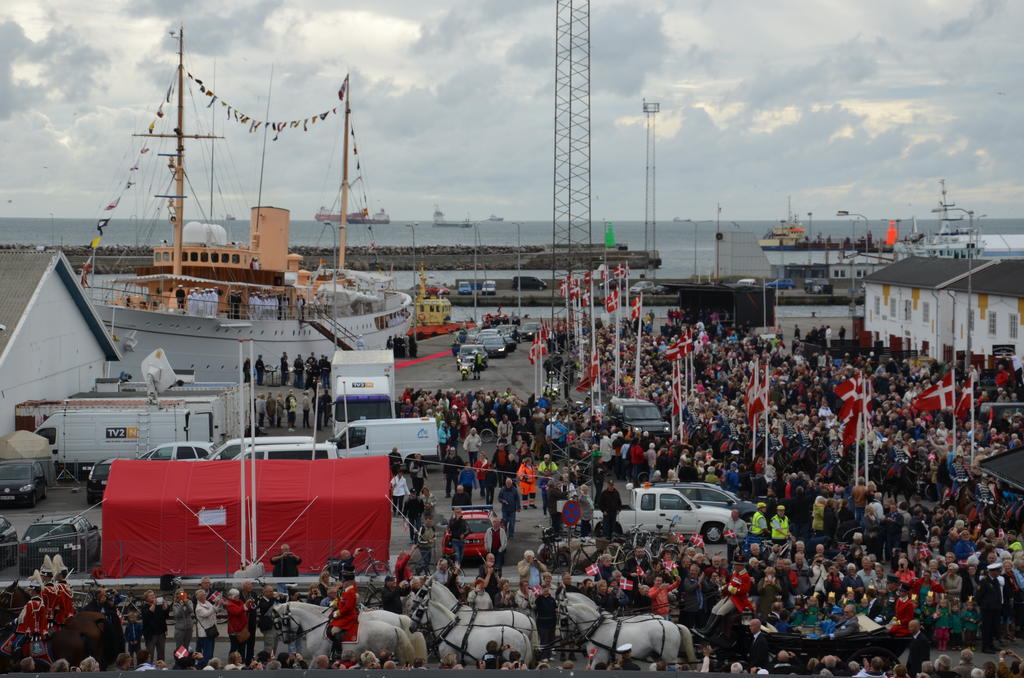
(238, 620)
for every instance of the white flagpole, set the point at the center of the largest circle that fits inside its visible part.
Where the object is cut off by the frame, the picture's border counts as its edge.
(865, 429)
(595, 401)
(973, 425)
(639, 341)
(241, 457)
(767, 428)
(856, 446)
(675, 395)
(953, 365)
(252, 462)
(755, 376)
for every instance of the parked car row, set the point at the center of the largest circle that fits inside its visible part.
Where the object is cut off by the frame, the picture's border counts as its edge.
(74, 538)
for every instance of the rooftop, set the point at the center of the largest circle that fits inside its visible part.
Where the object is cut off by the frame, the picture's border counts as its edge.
(932, 272)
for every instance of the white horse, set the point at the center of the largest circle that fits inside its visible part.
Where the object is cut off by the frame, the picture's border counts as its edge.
(653, 638)
(402, 621)
(308, 624)
(470, 642)
(464, 614)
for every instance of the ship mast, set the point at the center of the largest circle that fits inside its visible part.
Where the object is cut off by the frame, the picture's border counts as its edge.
(179, 170)
(343, 226)
(178, 158)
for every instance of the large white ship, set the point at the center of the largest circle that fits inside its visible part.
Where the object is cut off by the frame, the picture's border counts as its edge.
(203, 294)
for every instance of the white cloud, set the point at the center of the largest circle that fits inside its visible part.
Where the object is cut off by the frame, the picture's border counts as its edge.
(860, 105)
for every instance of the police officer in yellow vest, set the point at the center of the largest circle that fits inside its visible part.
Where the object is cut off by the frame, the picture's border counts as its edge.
(780, 525)
(758, 527)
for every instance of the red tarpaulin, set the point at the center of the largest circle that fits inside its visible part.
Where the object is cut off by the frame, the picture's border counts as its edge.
(178, 517)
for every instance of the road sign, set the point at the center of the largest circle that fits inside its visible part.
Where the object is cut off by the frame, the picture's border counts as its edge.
(571, 513)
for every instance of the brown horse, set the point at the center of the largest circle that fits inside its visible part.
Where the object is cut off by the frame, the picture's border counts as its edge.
(86, 634)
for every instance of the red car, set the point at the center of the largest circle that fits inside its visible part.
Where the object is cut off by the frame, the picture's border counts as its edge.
(479, 519)
(438, 290)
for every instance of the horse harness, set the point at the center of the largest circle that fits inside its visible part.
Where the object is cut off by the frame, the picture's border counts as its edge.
(283, 623)
(587, 636)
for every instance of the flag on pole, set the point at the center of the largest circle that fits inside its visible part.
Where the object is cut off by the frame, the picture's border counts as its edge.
(674, 350)
(697, 540)
(602, 272)
(592, 374)
(611, 302)
(729, 534)
(181, 652)
(756, 395)
(620, 272)
(625, 584)
(593, 569)
(965, 403)
(95, 242)
(640, 572)
(686, 343)
(343, 89)
(937, 397)
(636, 309)
(850, 393)
(112, 205)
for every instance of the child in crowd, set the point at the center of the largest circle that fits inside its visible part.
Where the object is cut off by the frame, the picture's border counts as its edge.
(133, 633)
(971, 618)
(943, 618)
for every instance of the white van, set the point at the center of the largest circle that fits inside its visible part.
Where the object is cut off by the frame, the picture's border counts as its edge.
(377, 437)
(230, 448)
(308, 451)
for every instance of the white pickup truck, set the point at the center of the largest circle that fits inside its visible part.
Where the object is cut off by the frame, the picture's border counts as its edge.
(660, 509)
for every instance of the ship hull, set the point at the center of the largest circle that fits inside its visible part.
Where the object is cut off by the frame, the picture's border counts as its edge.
(209, 346)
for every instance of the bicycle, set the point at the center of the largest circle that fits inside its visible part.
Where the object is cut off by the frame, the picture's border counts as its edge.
(372, 569)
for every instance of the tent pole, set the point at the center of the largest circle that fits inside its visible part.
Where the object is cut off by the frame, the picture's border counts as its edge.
(252, 462)
(241, 455)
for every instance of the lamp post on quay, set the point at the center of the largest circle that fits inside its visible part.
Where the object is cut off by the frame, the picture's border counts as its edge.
(695, 223)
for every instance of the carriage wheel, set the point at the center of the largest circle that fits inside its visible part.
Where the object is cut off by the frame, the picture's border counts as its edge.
(874, 651)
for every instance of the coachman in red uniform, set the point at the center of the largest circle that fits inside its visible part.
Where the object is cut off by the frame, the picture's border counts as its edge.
(49, 589)
(904, 612)
(737, 598)
(344, 626)
(64, 607)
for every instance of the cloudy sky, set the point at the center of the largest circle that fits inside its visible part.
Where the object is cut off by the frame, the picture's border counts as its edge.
(861, 106)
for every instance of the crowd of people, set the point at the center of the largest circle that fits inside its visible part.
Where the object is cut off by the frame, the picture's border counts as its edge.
(905, 546)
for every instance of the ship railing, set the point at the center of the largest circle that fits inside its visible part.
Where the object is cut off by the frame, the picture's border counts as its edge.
(226, 307)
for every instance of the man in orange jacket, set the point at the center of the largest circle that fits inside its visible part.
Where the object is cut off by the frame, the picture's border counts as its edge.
(528, 483)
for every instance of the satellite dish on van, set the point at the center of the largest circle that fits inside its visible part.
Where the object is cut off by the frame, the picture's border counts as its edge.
(158, 373)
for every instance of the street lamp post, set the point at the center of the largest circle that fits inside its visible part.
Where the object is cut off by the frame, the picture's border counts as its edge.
(695, 223)
(476, 246)
(853, 237)
(413, 227)
(972, 244)
(519, 281)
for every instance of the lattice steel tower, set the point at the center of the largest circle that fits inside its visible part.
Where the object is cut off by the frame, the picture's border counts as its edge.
(651, 110)
(571, 225)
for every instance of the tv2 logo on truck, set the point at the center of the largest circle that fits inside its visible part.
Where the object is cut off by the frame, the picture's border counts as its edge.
(122, 433)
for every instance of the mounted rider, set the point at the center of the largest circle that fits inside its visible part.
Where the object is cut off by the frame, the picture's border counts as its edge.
(49, 592)
(33, 622)
(344, 624)
(64, 608)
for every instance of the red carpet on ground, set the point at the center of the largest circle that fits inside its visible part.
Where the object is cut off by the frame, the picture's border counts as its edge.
(417, 361)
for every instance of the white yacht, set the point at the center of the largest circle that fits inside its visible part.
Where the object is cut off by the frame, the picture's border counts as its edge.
(203, 294)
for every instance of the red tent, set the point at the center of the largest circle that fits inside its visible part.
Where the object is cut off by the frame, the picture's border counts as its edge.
(174, 517)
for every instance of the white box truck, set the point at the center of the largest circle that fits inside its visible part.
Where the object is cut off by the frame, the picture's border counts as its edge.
(364, 385)
(78, 438)
(377, 437)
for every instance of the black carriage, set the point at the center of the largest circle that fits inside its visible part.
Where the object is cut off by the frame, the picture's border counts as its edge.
(859, 647)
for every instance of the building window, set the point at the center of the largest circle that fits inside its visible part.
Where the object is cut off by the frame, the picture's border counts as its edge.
(1014, 320)
(214, 257)
(925, 312)
(193, 256)
(204, 256)
(878, 304)
(860, 273)
(907, 310)
(892, 308)
(234, 260)
(167, 256)
(991, 323)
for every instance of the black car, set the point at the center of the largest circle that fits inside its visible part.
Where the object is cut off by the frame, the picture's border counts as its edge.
(641, 416)
(97, 483)
(73, 537)
(8, 543)
(527, 331)
(22, 482)
(528, 282)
